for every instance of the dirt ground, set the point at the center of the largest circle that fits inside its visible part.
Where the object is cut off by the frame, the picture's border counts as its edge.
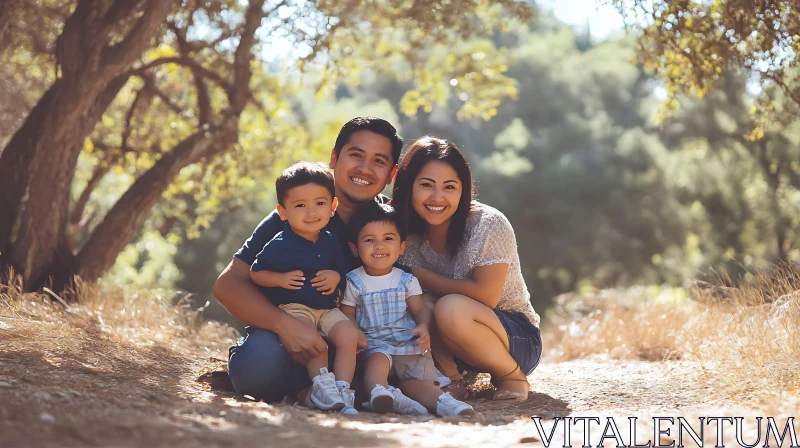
(68, 382)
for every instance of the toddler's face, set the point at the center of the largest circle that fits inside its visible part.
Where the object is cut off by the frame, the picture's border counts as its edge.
(308, 208)
(379, 245)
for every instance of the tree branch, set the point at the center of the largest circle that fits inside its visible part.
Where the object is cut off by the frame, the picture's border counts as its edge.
(243, 56)
(138, 38)
(120, 10)
(192, 65)
(80, 206)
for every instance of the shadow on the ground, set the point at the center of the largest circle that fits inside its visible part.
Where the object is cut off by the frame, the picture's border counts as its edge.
(90, 391)
(489, 412)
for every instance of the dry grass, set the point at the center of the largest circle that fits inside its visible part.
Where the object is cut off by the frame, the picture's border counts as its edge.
(746, 334)
(142, 318)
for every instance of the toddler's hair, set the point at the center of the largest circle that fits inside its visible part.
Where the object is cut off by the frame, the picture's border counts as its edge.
(370, 212)
(303, 173)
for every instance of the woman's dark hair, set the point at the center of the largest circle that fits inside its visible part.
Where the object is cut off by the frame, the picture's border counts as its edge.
(422, 151)
(377, 125)
(371, 212)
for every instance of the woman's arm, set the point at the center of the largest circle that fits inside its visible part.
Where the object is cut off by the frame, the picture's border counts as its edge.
(486, 286)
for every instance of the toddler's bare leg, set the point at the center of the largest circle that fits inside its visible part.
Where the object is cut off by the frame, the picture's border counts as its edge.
(319, 361)
(344, 336)
(423, 392)
(376, 371)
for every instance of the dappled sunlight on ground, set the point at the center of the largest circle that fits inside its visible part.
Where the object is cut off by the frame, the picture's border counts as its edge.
(65, 380)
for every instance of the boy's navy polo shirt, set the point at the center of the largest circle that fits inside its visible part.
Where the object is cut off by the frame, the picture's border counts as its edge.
(273, 224)
(287, 252)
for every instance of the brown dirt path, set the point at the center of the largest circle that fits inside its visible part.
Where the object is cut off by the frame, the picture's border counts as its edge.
(74, 385)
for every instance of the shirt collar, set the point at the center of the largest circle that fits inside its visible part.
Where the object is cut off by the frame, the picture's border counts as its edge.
(293, 236)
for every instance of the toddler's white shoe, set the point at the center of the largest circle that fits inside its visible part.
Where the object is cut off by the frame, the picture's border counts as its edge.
(381, 399)
(324, 393)
(448, 406)
(349, 398)
(404, 405)
(442, 380)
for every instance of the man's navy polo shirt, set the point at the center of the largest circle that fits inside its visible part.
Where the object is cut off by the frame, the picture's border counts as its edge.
(272, 224)
(287, 252)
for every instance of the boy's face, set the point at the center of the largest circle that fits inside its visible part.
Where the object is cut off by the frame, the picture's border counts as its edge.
(308, 208)
(363, 167)
(379, 245)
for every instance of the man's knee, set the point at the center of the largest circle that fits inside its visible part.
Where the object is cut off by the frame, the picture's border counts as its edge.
(262, 368)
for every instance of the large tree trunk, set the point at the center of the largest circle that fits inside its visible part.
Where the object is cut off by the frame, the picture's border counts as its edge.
(41, 157)
(46, 215)
(6, 7)
(126, 216)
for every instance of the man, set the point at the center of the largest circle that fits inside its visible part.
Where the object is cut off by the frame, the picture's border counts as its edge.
(268, 364)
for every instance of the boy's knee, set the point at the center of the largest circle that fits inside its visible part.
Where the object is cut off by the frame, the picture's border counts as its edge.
(344, 333)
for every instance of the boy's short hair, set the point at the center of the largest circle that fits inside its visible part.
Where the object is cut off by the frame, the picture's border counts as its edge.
(303, 173)
(371, 212)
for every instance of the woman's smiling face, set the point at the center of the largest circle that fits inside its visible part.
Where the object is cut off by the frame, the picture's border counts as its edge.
(436, 193)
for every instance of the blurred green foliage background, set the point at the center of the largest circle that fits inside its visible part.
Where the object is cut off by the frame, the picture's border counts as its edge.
(610, 175)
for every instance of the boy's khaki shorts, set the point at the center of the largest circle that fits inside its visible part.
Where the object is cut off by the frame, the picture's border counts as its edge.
(323, 320)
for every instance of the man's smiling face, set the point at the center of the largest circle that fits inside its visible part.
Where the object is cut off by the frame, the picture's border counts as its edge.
(363, 167)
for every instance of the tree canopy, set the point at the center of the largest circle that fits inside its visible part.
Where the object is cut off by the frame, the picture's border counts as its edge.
(178, 107)
(690, 44)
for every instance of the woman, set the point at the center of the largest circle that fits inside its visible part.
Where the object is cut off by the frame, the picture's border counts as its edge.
(466, 253)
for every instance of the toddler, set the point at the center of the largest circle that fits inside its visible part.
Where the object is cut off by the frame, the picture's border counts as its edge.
(304, 250)
(387, 305)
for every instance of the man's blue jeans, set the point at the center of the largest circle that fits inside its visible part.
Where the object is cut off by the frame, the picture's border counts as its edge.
(261, 367)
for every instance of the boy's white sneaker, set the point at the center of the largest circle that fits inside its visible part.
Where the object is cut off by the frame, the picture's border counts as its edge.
(324, 393)
(381, 399)
(448, 406)
(404, 405)
(349, 398)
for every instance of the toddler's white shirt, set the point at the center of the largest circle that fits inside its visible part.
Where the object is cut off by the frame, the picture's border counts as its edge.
(379, 283)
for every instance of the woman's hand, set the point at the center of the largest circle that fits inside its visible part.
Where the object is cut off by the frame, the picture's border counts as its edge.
(423, 337)
(326, 281)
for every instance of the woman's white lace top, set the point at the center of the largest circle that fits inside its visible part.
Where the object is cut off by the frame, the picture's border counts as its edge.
(489, 239)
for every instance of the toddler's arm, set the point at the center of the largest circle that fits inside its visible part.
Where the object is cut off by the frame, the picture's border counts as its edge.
(289, 280)
(422, 316)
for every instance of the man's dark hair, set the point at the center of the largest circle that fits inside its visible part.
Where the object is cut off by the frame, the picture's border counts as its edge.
(372, 124)
(303, 173)
(371, 212)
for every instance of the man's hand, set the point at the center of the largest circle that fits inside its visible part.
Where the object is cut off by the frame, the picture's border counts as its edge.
(301, 340)
(326, 281)
(424, 337)
(362, 342)
(292, 280)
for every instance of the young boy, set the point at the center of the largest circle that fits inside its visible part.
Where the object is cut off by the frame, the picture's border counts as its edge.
(382, 300)
(304, 251)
